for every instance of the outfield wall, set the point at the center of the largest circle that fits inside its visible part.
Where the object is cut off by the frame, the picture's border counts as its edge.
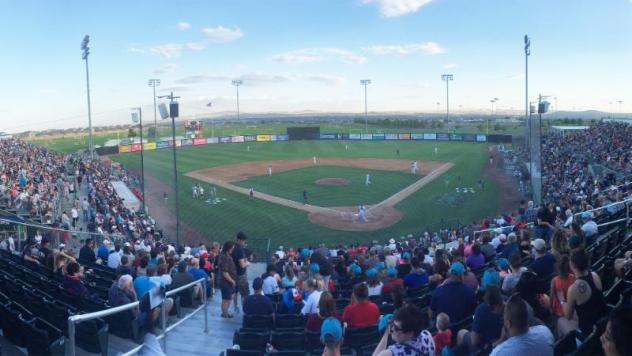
(404, 136)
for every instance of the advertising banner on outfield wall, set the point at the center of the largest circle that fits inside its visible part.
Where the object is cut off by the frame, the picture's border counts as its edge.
(391, 136)
(367, 137)
(250, 138)
(263, 138)
(443, 137)
(283, 137)
(344, 136)
(210, 140)
(125, 148)
(187, 142)
(481, 138)
(273, 137)
(355, 136)
(162, 144)
(109, 150)
(469, 137)
(456, 137)
(225, 139)
(135, 147)
(199, 141)
(149, 146)
(379, 137)
(430, 136)
(416, 136)
(238, 139)
(404, 136)
(328, 136)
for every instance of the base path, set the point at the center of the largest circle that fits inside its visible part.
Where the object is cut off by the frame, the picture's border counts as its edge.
(378, 216)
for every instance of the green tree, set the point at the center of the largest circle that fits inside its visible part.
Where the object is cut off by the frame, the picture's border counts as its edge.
(497, 127)
(131, 132)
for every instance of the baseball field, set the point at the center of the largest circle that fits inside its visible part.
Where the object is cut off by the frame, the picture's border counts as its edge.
(331, 175)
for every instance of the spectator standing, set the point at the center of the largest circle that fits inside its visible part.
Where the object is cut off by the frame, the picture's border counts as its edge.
(227, 276)
(240, 260)
(545, 222)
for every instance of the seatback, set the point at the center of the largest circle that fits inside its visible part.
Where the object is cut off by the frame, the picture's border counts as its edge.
(256, 341)
(288, 340)
(284, 321)
(356, 338)
(258, 321)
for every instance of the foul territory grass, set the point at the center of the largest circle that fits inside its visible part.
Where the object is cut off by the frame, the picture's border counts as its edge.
(291, 227)
(290, 185)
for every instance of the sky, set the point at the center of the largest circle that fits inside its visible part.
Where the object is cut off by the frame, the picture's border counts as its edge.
(308, 56)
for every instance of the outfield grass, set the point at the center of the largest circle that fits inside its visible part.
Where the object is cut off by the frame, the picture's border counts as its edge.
(290, 185)
(291, 227)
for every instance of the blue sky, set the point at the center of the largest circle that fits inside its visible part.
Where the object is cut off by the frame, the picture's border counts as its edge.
(309, 55)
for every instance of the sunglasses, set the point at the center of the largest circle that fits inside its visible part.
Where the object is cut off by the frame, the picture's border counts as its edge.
(395, 328)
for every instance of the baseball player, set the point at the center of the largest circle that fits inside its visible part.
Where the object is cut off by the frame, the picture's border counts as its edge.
(436, 150)
(314, 159)
(367, 180)
(269, 171)
(251, 192)
(361, 214)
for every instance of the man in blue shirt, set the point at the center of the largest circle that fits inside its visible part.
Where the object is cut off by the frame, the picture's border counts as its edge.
(544, 263)
(417, 277)
(453, 297)
(522, 339)
(257, 303)
(143, 284)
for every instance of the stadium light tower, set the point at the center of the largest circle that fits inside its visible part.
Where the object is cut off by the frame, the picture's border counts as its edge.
(447, 78)
(527, 53)
(173, 113)
(84, 56)
(365, 82)
(493, 101)
(154, 83)
(137, 116)
(237, 83)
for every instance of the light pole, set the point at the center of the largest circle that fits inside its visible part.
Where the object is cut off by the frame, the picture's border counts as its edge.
(84, 56)
(493, 101)
(527, 53)
(139, 117)
(154, 83)
(365, 82)
(447, 78)
(237, 83)
(210, 104)
(173, 113)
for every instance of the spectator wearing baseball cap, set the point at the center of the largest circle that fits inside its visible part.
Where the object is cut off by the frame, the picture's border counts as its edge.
(393, 281)
(589, 227)
(453, 297)
(257, 303)
(544, 263)
(331, 336)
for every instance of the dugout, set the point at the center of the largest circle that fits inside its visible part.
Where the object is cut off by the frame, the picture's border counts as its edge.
(303, 133)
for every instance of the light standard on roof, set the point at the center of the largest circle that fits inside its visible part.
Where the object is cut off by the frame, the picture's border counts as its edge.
(154, 83)
(447, 78)
(138, 117)
(173, 113)
(84, 56)
(365, 82)
(237, 83)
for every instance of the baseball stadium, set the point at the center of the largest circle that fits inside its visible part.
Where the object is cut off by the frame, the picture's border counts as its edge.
(267, 207)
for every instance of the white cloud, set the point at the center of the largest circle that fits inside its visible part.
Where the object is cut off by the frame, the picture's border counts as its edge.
(221, 34)
(394, 8)
(325, 79)
(197, 79)
(425, 48)
(184, 25)
(450, 66)
(135, 49)
(165, 68)
(307, 55)
(172, 50)
(516, 76)
(256, 78)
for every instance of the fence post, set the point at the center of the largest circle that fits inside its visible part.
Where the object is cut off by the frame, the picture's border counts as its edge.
(71, 337)
(205, 301)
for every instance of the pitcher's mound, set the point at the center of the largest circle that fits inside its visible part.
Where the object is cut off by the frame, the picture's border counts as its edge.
(333, 181)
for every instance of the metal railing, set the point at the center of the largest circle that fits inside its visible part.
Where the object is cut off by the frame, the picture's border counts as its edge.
(73, 320)
(626, 203)
(493, 229)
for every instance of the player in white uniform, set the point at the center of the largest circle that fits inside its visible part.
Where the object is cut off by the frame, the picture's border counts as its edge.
(413, 167)
(269, 171)
(367, 180)
(195, 192)
(314, 159)
(361, 214)
(436, 150)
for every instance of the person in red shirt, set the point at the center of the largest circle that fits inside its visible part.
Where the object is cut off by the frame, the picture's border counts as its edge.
(443, 336)
(392, 281)
(361, 312)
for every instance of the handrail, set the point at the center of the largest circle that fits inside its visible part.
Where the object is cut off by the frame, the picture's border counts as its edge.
(496, 228)
(625, 202)
(78, 318)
